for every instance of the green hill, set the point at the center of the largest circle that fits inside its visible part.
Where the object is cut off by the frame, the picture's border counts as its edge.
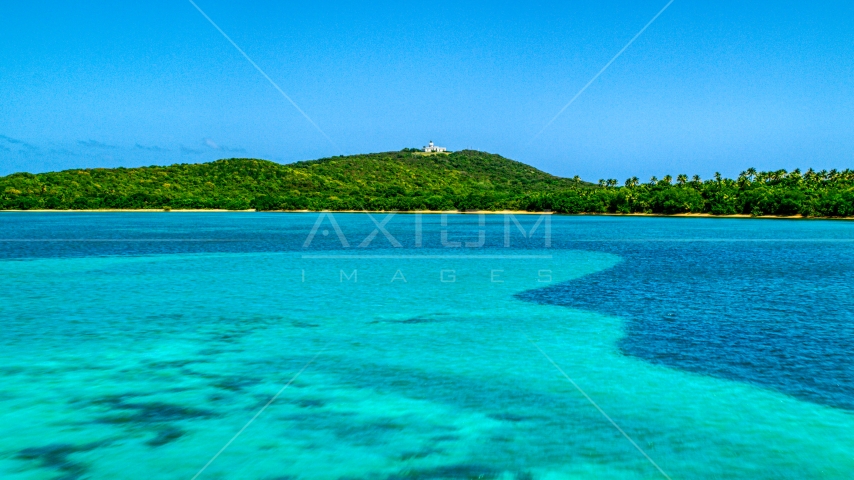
(381, 181)
(406, 180)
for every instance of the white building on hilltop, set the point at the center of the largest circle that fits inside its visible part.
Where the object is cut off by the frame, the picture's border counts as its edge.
(433, 148)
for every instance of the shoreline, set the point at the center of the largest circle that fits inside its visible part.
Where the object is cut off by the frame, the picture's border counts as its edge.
(436, 212)
(711, 215)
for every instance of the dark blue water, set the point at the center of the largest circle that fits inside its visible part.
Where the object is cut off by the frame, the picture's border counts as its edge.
(762, 301)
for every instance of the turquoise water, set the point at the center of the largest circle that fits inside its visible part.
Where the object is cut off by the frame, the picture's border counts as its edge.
(138, 345)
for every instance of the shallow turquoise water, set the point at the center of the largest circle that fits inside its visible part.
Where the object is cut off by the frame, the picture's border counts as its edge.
(138, 345)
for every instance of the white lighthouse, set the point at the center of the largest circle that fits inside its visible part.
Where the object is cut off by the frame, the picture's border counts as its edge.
(434, 149)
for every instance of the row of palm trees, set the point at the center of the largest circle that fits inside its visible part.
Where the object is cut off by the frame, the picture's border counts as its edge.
(749, 176)
(810, 175)
(681, 179)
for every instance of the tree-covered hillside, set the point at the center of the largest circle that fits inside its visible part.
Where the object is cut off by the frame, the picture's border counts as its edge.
(406, 180)
(382, 181)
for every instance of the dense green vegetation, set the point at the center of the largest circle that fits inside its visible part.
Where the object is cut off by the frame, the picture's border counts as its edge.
(810, 193)
(394, 180)
(409, 180)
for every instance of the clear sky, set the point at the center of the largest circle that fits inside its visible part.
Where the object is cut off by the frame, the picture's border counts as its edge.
(709, 86)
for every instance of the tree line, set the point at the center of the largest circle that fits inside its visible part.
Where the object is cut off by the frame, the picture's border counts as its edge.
(779, 192)
(406, 180)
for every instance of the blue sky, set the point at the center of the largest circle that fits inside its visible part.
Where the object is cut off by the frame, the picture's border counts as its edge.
(710, 86)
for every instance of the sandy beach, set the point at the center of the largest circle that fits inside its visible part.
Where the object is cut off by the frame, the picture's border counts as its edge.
(449, 212)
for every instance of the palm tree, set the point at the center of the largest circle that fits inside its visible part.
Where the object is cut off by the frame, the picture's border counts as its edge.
(751, 172)
(653, 180)
(601, 182)
(696, 179)
(667, 179)
(718, 177)
(681, 179)
(796, 176)
(632, 182)
(810, 175)
(576, 179)
(612, 182)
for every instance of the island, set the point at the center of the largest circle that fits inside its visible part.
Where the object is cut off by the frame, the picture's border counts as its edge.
(415, 180)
